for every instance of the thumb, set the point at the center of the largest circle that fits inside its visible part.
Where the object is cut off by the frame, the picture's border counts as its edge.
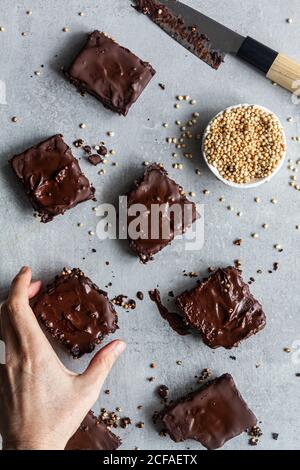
(102, 363)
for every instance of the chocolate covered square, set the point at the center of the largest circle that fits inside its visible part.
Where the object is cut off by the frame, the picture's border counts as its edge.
(222, 309)
(76, 312)
(52, 178)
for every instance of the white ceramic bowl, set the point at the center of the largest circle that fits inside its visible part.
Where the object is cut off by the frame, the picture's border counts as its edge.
(257, 182)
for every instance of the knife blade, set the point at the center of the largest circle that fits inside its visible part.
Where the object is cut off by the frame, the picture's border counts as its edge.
(211, 41)
(221, 37)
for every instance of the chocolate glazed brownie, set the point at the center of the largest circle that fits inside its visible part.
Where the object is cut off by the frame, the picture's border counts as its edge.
(93, 435)
(156, 188)
(52, 178)
(213, 415)
(222, 309)
(76, 312)
(110, 72)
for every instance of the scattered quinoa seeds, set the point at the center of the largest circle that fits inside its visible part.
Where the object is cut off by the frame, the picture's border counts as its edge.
(244, 144)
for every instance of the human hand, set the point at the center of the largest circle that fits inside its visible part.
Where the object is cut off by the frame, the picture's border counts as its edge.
(42, 403)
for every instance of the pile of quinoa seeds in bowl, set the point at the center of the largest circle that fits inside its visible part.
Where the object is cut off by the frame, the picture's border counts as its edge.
(244, 145)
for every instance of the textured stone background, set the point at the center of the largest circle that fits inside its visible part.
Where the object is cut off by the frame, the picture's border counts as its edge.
(47, 104)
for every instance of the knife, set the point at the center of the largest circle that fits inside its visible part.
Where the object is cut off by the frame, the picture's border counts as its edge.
(211, 41)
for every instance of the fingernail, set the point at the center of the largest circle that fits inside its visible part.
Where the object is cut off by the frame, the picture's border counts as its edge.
(24, 269)
(120, 347)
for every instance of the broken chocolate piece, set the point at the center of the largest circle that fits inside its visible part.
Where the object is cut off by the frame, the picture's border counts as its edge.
(87, 149)
(102, 150)
(95, 159)
(140, 295)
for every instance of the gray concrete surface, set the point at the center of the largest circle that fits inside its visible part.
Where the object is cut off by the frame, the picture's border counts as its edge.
(47, 104)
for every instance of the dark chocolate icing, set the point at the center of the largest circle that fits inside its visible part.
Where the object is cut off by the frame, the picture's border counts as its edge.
(76, 312)
(213, 415)
(52, 178)
(110, 72)
(222, 309)
(175, 321)
(93, 435)
(197, 42)
(157, 188)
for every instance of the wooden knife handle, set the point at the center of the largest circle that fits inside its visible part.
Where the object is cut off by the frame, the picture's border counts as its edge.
(277, 67)
(286, 73)
(257, 54)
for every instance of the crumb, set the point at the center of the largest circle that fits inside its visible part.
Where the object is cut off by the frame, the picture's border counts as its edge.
(163, 391)
(140, 295)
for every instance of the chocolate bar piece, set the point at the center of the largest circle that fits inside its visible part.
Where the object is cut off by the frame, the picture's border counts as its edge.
(76, 312)
(52, 178)
(95, 159)
(156, 191)
(111, 73)
(212, 416)
(222, 309)
(93, 435)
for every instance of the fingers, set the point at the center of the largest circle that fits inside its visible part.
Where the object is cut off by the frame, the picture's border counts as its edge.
(102, 363)
(20, 313)
(1, 315)
(8, 335)
(34, 289)
(20, 285)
